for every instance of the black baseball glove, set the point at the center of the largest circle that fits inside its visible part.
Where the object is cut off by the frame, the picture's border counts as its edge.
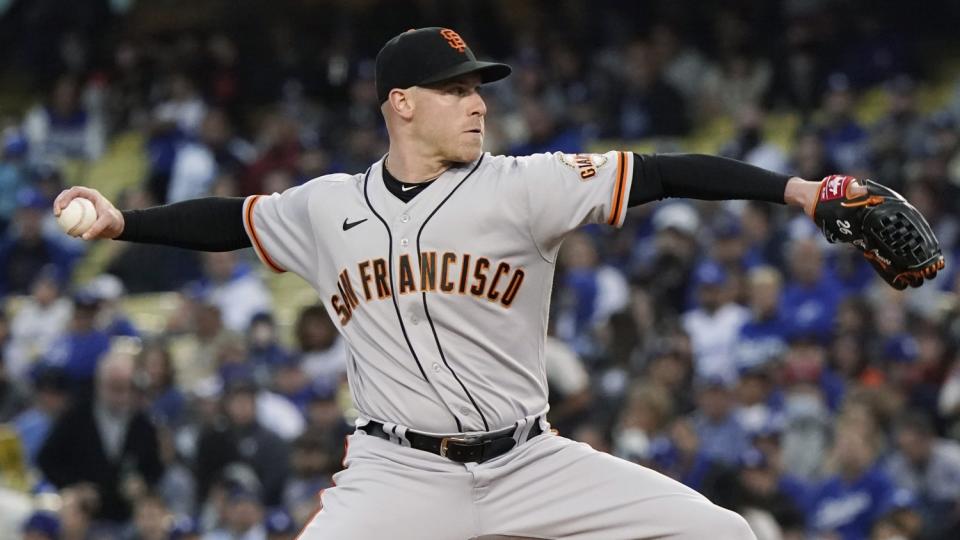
(892, 234)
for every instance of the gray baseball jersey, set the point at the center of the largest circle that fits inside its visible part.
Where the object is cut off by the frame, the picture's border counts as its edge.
(443, 300)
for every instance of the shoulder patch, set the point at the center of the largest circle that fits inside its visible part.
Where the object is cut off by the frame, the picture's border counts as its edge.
(585, 164)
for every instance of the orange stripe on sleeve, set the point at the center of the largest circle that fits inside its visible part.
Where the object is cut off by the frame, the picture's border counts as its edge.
(255, 240)
(616, 200)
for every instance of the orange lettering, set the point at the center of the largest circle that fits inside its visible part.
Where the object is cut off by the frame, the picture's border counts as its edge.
(407, 284)
(453, 39)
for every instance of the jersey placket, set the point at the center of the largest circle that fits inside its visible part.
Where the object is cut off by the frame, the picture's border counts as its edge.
(405, 226)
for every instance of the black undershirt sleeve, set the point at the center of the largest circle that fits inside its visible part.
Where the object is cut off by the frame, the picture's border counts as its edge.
(699, 176)
(207, 224)
(216, 223)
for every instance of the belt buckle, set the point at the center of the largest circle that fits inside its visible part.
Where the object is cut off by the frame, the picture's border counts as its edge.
(461, 440)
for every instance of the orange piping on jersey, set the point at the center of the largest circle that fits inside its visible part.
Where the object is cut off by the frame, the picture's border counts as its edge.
(257, 246)
(616, 201)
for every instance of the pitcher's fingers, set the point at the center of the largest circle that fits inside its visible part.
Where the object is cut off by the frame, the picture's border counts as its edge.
(63, 199)
(102, 205)
(857, 189)
(67, 195)
(102, 222)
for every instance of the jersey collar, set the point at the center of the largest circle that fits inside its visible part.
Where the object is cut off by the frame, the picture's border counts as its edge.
(385, 203)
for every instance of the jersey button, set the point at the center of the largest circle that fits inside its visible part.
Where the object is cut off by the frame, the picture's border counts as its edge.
(404, 218)
(436, 367)
(465, 411)
(414, 319)
(404, 242)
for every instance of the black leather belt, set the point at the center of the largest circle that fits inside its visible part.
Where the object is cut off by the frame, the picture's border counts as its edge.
(462, 449)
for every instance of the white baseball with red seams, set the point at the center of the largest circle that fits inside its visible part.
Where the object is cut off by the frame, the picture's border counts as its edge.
(77, 217)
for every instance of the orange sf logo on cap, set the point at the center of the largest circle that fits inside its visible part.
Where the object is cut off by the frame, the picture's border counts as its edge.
(453, 39)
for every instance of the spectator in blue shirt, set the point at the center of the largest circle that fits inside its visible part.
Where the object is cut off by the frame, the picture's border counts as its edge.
(714, 321)
(595, 291)
(763, 338)
(728, 246)
(811, 293)
(680, 456)
(80, 349)
(722, 438)
(65, 127)
(844, 139)
(265, 351)
(849, 502)
(292, 382)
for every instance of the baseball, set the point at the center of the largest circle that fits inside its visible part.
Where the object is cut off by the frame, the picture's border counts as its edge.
(77, 217)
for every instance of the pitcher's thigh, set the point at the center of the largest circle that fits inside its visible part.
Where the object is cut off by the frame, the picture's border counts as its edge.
(563, 489)
(374, 500)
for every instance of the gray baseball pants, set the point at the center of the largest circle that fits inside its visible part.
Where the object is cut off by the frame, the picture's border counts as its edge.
(549, 487)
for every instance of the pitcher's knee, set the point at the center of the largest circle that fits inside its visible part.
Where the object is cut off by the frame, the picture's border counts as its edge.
(717, 522)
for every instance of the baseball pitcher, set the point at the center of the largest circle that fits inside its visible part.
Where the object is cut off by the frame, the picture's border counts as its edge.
(436, 265)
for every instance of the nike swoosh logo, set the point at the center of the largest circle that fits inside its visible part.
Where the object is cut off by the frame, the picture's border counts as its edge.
(347, 226)
(405, 188)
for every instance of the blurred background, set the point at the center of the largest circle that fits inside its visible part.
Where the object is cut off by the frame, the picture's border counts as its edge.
(150, 392)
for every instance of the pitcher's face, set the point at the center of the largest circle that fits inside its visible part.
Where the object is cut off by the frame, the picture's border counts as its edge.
(449, 118)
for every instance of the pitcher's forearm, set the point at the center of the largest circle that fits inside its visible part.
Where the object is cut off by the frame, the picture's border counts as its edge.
(207, 224)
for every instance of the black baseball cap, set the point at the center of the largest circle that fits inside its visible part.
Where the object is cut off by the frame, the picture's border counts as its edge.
(429, 55)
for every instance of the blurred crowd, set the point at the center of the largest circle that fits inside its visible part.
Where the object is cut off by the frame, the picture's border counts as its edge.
(724, 344)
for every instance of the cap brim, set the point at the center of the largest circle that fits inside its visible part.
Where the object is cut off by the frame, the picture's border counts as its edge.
(488, 71)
